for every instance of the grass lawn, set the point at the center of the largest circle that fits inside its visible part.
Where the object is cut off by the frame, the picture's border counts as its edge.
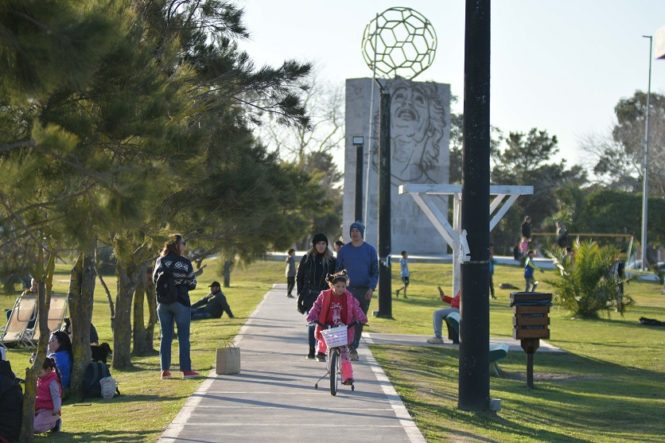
(609, 386)
(147, 404)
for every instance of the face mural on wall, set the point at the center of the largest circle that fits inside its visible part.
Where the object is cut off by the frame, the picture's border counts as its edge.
(417, 131)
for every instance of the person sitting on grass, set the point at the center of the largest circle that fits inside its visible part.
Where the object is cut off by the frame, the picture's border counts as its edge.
(440, 315)
(60, 349)
(48, 400)
(529, 268)
(335, 307)
(212, 305)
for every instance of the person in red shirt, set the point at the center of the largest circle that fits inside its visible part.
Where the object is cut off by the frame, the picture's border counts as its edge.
(335, 307)
(440, 314)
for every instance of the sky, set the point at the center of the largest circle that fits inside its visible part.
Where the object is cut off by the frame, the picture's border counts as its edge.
(557, 65)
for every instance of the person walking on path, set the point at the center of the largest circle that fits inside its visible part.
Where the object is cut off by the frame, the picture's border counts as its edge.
(313, 269)
(361, 261)
(290, 272)
(336, 307)
(172, 260)
(526, 228)
(212, 305)
(404, 273)
(529, 268)
(440, 314)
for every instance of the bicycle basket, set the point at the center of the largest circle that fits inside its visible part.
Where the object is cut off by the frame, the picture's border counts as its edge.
(335, 337)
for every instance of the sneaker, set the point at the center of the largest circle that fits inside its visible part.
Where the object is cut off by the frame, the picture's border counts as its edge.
(166, 375)
(289, 296)
(311, 355)
(321, 357)
(348, 381)
(189, 374)
(435, 341)
(353, 355)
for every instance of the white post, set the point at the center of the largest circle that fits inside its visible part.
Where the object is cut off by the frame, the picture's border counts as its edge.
(645, 166)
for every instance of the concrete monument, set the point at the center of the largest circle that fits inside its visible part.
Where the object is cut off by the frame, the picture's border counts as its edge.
(420, 128)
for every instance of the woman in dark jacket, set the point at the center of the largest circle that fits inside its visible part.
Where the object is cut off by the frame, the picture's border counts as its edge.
(179, 312)
(311, 279)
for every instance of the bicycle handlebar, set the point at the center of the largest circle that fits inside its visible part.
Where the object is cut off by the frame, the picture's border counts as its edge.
(350, 325)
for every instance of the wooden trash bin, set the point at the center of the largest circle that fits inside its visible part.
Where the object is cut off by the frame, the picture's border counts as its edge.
(531, 322)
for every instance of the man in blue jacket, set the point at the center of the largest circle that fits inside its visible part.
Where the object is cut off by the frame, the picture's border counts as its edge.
(361, 262)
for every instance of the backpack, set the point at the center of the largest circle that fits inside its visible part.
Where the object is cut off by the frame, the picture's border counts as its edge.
(94, 373)
(167, 293)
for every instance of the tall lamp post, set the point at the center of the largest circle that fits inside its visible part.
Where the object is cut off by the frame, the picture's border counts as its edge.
(399, 42)
(645, 164)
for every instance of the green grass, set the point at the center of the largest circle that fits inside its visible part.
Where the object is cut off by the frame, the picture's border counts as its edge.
(147, 404)
(607, 387)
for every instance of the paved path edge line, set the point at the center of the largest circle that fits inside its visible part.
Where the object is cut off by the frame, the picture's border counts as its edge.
(405, 419)
(173, 430)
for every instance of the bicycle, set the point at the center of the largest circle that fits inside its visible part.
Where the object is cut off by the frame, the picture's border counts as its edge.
(336, 338)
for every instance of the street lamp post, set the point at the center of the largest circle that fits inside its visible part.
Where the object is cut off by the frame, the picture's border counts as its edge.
(645, 165)
(359, 142)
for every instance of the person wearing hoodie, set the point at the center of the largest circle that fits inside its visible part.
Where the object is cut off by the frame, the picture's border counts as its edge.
(313, 269)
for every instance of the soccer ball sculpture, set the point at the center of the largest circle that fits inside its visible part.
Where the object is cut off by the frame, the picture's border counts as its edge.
(399, 42)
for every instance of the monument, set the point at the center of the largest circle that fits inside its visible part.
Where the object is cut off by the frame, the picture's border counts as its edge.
(398, 45)
(420, 128)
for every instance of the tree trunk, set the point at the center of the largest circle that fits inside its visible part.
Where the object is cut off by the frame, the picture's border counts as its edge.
(128, 278)
(228, 266)
(143, 334)
(81, 299)
(31, 373)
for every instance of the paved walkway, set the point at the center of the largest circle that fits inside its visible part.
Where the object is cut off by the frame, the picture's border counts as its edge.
(273, 399)
(421, 340)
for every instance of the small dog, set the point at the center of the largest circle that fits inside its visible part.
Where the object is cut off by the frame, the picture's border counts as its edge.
(101, 352)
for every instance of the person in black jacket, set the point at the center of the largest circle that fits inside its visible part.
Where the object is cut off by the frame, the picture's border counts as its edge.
(526, 227)
(212, 305)
(179, 312)
(311, 279)
(11, 403)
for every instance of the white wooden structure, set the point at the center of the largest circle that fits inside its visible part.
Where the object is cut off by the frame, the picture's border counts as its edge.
(504, 197)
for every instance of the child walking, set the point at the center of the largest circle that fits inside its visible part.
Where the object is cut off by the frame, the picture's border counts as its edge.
(48, 401)
(404, 273)
(334, 307)
(529, 268)
(290, 272)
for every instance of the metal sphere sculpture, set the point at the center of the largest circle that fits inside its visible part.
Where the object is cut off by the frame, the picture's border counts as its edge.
(399, 42)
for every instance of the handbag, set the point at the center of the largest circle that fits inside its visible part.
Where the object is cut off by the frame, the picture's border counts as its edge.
(228, 360)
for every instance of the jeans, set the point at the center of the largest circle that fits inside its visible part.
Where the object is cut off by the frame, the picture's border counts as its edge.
(200, 314)
(310, 337)
(359, 294)
(531, 284)
(180, 315)
(290, 284)
(437, 319)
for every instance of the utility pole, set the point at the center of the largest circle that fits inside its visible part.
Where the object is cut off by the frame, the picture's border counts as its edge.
(645, 165)
(385, 277)
(359, 142)
(474, 328)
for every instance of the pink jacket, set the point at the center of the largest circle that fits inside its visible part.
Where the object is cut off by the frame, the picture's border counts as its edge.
(320, 308)
(43, 398)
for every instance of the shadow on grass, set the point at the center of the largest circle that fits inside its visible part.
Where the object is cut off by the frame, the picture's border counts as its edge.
(105, 436)
(585, 399)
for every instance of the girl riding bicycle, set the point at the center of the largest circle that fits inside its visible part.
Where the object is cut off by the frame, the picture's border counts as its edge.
(334, 307)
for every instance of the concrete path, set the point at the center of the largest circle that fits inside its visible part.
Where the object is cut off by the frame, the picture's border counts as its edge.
(273, 398)
(421, 340)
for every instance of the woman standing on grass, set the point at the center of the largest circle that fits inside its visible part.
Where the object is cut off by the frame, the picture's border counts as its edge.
(172, 260)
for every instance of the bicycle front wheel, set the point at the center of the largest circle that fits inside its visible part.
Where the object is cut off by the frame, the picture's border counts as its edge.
(334, 371)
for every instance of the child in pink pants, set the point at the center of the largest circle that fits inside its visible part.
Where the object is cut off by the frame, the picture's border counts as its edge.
(334, 307)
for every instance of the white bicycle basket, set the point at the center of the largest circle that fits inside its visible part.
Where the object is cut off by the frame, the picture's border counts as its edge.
(335, 337)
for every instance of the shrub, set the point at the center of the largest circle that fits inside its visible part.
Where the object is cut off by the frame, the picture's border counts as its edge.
(587, 285)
